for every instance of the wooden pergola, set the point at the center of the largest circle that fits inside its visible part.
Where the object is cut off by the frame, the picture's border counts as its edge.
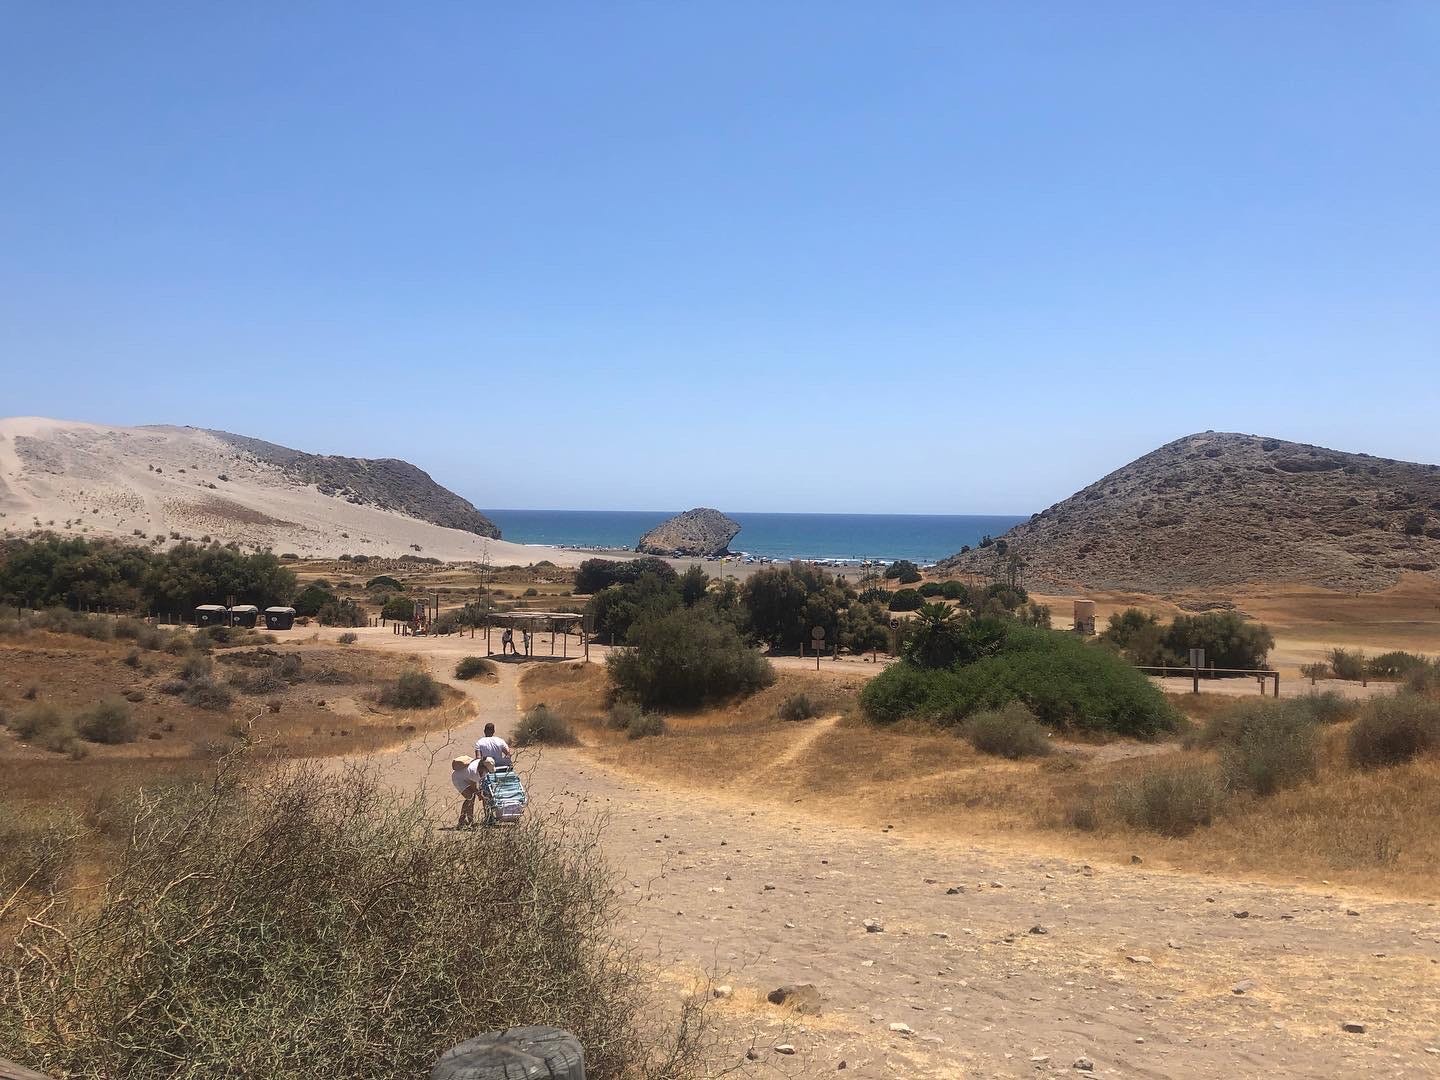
(530, 623)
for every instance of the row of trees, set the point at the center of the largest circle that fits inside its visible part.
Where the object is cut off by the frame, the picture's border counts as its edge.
(1229, 640)
(75, 572)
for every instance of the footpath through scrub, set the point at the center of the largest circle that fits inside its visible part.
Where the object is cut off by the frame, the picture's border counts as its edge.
(980, 960)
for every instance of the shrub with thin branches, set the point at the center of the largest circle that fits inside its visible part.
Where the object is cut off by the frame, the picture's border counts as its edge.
(473, 666)
(798, 706)
(1393, 730)
(1010, 732)
(1170, 801)
(543, 727)
(259, 923)
(108, 721)
(412, 690)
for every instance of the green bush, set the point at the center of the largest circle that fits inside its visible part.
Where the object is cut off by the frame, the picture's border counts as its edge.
(686, 658)
(1266, 745)
(385, 583)
(1170, 801)
(596, 574)
(1347, 664)
(473, 666)
(646, 726)
(865, 627)
(543, 727)
(903, 571)
(1392, 730)
(48, 728)
(311, 599)
(108, 721)
(798, 706)
(1010, 732)
(1315, 671)
(1396, 665)
(237, 908)
(412, 690)
(954, 590)
(622, 714)
(784, 603)
(906, 600)
(931, 589)
(343, 613)
(206, 693)
(1063, 680)
(1228, 639)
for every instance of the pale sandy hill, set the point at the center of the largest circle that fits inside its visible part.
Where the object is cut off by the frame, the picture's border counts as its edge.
(76, 478)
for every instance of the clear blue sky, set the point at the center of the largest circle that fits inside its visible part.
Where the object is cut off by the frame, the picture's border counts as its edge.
(762, 256)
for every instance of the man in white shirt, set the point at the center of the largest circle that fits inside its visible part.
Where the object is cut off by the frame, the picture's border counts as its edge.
(492, 746)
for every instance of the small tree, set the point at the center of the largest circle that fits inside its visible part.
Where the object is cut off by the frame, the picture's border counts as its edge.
(904, 571)
(398, 609)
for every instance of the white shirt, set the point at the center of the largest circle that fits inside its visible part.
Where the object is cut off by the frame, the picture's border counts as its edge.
(492, 746)
(463, 778)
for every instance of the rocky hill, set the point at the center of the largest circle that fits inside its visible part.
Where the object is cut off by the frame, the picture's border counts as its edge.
(175, 483)
(1222, 509)
(385, 483)
(699, 533)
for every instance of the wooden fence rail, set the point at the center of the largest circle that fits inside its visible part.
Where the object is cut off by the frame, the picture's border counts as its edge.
(1196, 674)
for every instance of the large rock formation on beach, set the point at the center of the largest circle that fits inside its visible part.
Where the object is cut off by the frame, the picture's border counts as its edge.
(1222, 509)
(699, 533)
(178, 483)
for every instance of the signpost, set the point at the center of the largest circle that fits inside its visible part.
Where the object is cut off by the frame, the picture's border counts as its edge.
(817, 639)
(1197, 661)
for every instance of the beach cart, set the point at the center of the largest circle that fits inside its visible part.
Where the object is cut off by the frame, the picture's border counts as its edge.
(507, 797)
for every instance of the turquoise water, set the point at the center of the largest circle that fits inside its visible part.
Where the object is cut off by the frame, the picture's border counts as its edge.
(922, 538)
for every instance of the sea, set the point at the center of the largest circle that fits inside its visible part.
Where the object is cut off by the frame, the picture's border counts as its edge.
(921, 538)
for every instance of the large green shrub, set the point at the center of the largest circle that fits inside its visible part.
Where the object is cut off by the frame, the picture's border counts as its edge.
(596, 574)
(1063, 680)
(686, 658)
(903, 571)
(906, 600)
(1229, 640)
(398, 608)
(51, 571)
(616, 608)
(783, 604)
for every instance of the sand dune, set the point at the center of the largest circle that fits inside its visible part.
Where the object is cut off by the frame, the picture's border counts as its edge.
(83, 479)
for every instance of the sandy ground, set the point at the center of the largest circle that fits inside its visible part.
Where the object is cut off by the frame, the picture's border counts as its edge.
(998, 962)
(97, 480)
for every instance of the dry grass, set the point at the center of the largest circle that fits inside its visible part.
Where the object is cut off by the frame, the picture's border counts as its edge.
(1378, 831)
(327, 709)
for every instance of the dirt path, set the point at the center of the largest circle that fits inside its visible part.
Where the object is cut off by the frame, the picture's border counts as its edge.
(999, 964)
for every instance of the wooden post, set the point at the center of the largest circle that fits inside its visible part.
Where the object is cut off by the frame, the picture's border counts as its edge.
(1277, 684)
(518, 1052)
(1195, 680)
